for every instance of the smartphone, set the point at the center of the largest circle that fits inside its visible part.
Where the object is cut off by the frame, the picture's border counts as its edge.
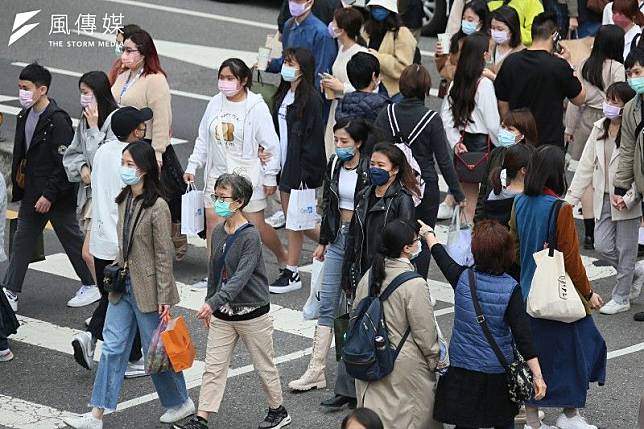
(557, 38)
(324, 75)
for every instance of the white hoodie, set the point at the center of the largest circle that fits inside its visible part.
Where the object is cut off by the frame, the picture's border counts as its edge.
(259, 131)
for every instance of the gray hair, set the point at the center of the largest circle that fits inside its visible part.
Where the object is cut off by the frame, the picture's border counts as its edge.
(240, 187)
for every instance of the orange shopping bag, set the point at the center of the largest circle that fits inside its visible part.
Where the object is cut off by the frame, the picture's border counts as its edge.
(178, 344)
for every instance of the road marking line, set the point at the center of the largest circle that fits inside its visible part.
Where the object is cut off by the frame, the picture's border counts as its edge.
(76, 74)
(198, 14)
(18, 413)
(626, 350)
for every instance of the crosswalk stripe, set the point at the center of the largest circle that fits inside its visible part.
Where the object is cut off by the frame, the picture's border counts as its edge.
(18, 413)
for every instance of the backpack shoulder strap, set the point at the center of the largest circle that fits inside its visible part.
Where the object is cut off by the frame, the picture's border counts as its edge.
(421, 125)
(393, 122)
(640, 126)
(398, 281)
(334, 162)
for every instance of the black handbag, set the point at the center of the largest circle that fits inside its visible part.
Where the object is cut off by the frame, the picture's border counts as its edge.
(115, 276)
(172, 175)
(519, 375)
(471, 167)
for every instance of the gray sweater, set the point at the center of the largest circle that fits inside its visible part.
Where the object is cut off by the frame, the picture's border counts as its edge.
(246, 285)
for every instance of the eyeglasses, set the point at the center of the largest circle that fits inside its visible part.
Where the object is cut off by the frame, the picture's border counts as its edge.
(219, 198)
(129, 50)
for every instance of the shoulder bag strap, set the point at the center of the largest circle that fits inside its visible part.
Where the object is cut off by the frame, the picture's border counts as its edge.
(552, 226)
(480, 318)
(231, 239)
(395, 283)
(640, 126)
(131, 232)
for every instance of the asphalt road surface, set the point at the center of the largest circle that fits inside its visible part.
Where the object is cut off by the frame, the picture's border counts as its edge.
(44, 383)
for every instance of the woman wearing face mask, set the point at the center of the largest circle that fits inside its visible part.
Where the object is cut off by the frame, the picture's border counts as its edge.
(470, 111)
(389, 197)
(506, 35)
(393, 44)
(598, 72)
(526, 11)
(628, 16)
(92, 131)
(346, 27)
(571, 355)
(237, 305)
(235, 128)
(346, 176)
(144, 230)
(475, 18)
(297, 117)
(616, 231)
(507, 183)
(122, 34)
(518, 126)
(143, 83)
(404, 398)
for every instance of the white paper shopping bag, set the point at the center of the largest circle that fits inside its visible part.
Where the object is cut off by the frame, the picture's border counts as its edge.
(192, 211)
(301, 213)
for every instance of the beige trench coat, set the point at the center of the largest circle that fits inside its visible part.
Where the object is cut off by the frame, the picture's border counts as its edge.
(405, 398)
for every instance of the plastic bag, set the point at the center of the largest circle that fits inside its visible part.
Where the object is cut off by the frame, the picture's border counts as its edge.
(459, 239)
(192, 211)
(178, 344)
(301, 214)
(156, 360)
(311, 309)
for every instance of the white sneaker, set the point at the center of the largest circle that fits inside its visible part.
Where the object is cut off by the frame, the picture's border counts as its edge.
(87, 322)
(85, 295)
(638, 280)
(277, 220)
(136, 369)
(200, 285)
(576, 422)
(85, 421)
(178, 413)
(611, 307)
(445, 211)
(84, 345)
(6, 355)
(12, 298)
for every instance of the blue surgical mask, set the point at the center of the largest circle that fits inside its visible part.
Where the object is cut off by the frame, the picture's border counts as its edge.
(637, 83)
(289, 74)
(129, 176)
(222, 209)
(468, 27)
(344, 153)
(379, 13)
(506, 138)
(378, 176)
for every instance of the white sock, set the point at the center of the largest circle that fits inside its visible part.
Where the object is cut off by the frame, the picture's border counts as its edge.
(292, 268)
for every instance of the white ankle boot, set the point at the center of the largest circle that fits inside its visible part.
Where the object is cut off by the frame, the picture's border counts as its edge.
(314, 377)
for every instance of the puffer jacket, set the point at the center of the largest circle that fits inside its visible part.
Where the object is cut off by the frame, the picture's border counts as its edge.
(366, 227)
(358, 104)
(331, 218)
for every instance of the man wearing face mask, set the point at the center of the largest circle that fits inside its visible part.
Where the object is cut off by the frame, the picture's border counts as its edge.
(323, 9)
(128, 125)
(305, 30)
(539, 79)
(43, 132)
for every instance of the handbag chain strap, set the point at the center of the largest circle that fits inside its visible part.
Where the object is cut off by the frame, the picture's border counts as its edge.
(480, 318)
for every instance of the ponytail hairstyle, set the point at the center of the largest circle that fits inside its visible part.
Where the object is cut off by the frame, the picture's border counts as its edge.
(395, 236)
(618, 91)
(397, 158)
(516, 158)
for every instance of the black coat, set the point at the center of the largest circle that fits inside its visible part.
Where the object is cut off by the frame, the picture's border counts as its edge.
(331, 218)
(44, 172)
(366, 229)
(305, 155)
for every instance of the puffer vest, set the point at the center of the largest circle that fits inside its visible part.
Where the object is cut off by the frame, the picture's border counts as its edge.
(468, 347)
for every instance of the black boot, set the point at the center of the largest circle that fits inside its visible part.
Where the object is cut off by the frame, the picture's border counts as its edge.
(338, 401)
(589, 227)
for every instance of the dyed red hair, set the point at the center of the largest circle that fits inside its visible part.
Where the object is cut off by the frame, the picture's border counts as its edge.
(145, 45)
(492, 247)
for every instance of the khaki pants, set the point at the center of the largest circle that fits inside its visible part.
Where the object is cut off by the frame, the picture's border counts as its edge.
(257, 335)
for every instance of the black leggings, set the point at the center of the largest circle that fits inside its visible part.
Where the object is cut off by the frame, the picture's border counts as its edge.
(98, 318)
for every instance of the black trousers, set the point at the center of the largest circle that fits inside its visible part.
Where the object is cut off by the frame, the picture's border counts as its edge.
(427, 211)
(98, 317)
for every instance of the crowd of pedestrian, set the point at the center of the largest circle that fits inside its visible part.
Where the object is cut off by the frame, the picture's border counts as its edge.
(349, 120)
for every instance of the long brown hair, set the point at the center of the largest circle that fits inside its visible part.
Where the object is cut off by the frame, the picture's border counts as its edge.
(397, 158)
(630, 9)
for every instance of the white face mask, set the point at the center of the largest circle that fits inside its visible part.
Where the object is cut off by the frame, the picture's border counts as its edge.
(416, 252)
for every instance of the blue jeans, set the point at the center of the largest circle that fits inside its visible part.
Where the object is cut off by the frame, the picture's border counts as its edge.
(118, 335)
(332, 278)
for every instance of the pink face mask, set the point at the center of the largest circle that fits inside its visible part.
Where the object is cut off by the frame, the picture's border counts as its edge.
(87, 100)
(26, 98)
(229, 88)
(621, 20)
(298, 9)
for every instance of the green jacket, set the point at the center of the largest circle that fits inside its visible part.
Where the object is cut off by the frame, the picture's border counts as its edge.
(630, 149)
